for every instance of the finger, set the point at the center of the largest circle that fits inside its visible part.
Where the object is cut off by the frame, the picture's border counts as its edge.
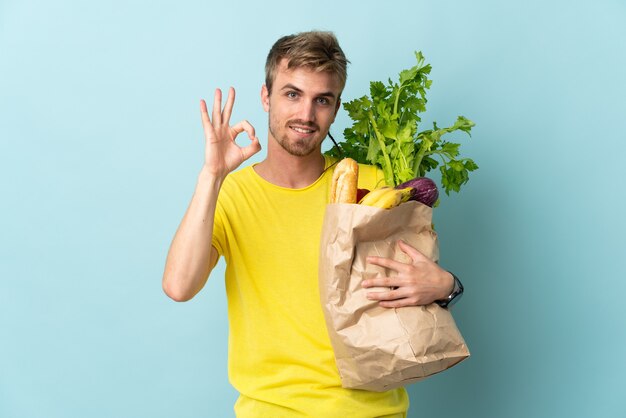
(204, 113)
(385, 262)
(206, 122)
(412, 252)
(242, 126)
(382, 282)
(217, 107)
(228, 108)
(251, 149)
(387, 295)
(399, 303)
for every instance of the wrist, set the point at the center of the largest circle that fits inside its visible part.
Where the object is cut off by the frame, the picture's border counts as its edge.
(454, 295)
(208, 186)
(209, 178)
(448, 286)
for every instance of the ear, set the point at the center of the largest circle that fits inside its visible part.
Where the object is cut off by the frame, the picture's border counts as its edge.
(337, 106)
(265, 98)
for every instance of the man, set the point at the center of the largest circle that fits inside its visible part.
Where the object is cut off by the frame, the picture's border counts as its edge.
(265, 220)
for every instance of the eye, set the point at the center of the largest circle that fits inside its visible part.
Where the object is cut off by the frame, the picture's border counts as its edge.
(292, 94)
(323, 101)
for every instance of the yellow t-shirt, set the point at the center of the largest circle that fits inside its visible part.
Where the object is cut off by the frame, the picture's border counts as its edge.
(280, 357)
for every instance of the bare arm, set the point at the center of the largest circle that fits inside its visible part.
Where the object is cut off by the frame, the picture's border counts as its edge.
(191, 256)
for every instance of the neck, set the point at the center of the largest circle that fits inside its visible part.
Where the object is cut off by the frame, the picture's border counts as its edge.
(286, 170)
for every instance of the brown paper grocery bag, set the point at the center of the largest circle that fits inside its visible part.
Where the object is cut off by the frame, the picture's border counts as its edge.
(379, 348)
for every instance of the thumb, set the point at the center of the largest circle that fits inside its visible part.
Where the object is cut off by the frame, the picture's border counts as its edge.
(251, 149)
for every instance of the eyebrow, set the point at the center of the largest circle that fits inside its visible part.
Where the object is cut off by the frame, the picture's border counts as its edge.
(290, 86)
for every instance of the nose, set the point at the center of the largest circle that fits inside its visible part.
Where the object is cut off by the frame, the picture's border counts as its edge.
(306, 111)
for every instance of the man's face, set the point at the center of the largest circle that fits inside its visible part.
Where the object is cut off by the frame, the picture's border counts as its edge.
(302, 106)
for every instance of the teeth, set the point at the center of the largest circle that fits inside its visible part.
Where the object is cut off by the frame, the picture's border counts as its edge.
(301, 130)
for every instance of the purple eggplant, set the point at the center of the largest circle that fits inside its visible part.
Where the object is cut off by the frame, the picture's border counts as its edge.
(424, 190)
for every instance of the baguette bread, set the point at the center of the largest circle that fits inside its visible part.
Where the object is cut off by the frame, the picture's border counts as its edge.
(343, 188)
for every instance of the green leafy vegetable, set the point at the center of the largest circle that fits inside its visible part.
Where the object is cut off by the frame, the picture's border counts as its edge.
(385, 132)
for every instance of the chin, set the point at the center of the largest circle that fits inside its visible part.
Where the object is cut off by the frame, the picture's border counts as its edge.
(299, 149)
(299, 152)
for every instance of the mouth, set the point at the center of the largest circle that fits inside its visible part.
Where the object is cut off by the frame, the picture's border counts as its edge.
(302, 129)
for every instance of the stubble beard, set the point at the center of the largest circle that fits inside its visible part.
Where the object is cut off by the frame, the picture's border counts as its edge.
(298, 148)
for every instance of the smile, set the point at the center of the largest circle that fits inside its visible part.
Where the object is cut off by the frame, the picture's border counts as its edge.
(302, 130)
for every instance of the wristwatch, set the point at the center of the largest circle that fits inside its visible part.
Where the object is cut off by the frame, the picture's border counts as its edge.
(454, 297)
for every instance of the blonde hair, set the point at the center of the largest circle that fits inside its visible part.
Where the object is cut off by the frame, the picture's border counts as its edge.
(317, 50)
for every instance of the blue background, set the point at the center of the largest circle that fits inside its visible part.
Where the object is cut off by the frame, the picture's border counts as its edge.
(101, 143)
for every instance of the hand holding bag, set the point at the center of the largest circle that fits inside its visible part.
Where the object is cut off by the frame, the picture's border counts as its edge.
(380, 348)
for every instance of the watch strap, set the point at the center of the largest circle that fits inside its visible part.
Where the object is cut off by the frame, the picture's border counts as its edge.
(453, 297)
